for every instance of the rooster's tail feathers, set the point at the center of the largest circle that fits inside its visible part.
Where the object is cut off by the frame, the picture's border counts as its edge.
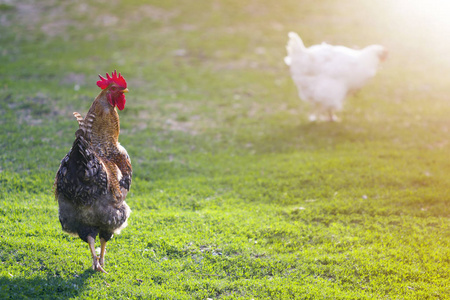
(85, 125)
(79, 119)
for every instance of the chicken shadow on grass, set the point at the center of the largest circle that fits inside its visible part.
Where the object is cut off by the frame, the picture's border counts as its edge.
(43, 287)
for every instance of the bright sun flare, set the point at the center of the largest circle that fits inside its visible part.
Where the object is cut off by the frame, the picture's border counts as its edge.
(423, 26)
(428, 14)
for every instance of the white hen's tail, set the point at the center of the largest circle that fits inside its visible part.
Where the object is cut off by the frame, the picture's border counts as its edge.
(294, 45)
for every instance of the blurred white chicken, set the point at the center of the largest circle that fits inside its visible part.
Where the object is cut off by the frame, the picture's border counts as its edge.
(326, 74)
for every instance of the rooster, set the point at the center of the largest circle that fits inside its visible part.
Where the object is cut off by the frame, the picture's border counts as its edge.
(326, 74)
(95, 176)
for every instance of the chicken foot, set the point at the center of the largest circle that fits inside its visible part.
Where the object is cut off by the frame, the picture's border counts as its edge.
(95, 262)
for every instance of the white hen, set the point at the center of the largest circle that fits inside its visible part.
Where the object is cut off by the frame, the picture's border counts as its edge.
(326, 74)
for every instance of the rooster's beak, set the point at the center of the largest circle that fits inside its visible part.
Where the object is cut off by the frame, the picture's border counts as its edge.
(125, 91)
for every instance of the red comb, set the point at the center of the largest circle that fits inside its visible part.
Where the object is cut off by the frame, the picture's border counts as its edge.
(103, 83)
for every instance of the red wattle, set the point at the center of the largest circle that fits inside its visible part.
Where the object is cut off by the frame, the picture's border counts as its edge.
(121, 102)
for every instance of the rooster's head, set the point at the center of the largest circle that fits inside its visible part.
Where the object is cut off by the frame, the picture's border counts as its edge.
(115, 86)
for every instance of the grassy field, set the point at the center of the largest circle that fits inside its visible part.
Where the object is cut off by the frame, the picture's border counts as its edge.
(235, 194)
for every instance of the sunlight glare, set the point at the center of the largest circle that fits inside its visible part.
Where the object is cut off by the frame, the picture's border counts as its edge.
(431, 16)
(421, 27)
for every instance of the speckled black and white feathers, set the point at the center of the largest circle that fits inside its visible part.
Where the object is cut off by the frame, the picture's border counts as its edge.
(94, 177)
(81, 177)
(125, 182)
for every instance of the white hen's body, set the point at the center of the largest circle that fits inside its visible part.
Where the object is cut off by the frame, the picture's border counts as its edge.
(326, 74)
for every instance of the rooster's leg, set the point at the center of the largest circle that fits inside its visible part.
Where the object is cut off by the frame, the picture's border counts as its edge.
(102, 252)
(95, 264)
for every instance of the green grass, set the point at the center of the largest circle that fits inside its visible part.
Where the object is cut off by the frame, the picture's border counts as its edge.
(235, 195)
